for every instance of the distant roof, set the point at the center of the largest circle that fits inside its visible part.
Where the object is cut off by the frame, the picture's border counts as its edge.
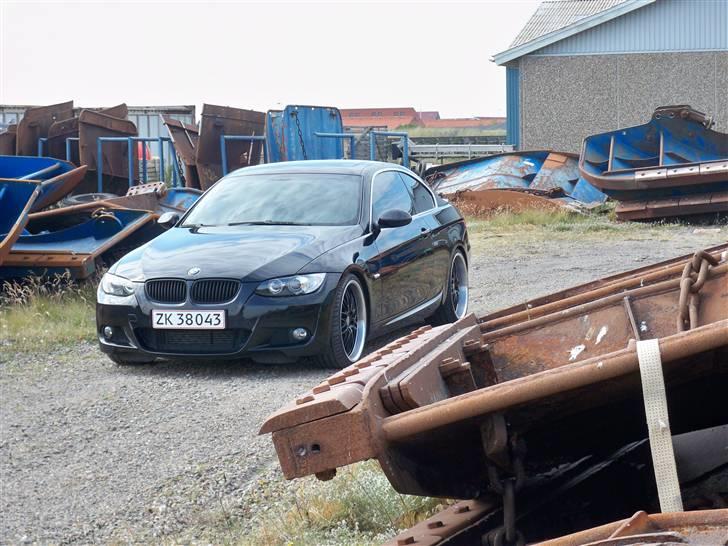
(555, 20)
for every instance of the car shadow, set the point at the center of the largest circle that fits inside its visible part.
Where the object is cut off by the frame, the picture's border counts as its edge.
(219, 369)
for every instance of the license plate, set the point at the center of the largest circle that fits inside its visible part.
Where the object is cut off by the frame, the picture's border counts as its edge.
(188, 320)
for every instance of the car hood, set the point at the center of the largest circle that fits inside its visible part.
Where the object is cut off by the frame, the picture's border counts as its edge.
(250, 253)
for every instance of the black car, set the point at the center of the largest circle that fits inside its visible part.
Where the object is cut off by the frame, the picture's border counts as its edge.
(289, 260)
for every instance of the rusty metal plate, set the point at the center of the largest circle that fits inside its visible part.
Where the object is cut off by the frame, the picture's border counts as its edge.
(224, 120)
(91, 126)
(35, 124)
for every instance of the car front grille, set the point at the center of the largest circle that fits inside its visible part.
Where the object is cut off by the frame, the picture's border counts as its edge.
(192, 341)
(166, 290)
(214, 290)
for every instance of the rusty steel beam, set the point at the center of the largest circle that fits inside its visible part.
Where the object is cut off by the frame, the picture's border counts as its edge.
(35, 124)
(224, 120)
(184, 139)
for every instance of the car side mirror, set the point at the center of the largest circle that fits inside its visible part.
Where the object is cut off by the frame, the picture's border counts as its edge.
(168, 219)
(394, 218)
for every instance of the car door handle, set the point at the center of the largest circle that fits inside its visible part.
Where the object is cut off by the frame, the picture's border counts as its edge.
(424, 233)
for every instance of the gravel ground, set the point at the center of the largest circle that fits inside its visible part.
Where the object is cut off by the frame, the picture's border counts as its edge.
(94, 453)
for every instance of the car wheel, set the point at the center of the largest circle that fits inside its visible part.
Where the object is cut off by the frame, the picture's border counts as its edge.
(129, 361)
(455, 305)
(347, 333)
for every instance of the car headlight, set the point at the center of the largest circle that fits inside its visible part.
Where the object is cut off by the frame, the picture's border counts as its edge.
(114, 285)
(291, 286)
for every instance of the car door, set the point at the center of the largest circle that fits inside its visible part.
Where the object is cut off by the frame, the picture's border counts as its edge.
(404, 273)
(438, 261)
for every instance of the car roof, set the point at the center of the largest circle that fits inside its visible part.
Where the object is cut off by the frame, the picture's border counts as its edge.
(325, 166)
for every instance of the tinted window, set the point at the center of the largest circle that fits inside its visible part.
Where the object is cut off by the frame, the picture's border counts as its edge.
(420, 195)
(279, 198)
(388, 193)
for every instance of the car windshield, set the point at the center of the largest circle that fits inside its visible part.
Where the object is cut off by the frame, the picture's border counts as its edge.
(279, 199)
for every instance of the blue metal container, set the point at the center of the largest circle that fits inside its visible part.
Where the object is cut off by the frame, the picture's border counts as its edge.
(291, 133)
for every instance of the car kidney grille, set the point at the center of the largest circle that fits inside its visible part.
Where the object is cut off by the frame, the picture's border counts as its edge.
(166, 290)
(214, 290)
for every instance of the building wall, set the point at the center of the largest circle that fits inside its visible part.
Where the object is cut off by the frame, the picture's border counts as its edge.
(566, 98)
(665, 25)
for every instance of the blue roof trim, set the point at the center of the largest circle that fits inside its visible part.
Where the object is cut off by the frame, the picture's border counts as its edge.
(579, 26)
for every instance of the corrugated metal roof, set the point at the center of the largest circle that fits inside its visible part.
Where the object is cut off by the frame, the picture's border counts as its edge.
(554, 15)
(556, 20)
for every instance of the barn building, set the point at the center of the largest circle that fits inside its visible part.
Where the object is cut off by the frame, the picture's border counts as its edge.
(580, 67)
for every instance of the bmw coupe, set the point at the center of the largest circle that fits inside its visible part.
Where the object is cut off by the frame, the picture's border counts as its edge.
(288, 260)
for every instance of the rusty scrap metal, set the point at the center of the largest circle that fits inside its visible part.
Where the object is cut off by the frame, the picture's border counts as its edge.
(35, 124)
(224, 120)
(447, 411)
(60, 130)
(184, 139)
(7, 140)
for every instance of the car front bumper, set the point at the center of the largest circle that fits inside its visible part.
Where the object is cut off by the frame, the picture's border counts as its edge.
(257, 327)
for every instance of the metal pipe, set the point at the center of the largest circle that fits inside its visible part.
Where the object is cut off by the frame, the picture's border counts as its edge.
(44, 170)
(130, 160)
(68, 146)
(161, 160)
(502, 396)
(144, 161)
(99, 165)
(41, 142)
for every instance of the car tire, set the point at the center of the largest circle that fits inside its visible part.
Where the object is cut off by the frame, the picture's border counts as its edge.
(348, 326)
(455, 305)
(129, 361)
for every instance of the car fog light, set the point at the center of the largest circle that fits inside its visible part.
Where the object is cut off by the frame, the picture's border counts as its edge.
(108, 332)
(299, 334)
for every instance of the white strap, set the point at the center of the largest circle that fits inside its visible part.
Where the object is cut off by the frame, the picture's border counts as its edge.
(658, 425)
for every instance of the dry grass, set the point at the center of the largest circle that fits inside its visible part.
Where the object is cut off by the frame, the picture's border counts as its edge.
(358, 507)
(38, 313)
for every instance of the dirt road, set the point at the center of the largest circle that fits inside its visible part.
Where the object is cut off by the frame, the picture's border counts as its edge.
(91, 452)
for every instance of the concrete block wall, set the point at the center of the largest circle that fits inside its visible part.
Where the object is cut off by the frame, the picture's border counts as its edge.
(565, 98)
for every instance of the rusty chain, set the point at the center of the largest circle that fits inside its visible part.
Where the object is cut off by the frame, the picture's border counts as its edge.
(693, 278)
(300, 134)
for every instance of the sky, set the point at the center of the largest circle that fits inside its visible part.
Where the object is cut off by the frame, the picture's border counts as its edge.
(259, 55)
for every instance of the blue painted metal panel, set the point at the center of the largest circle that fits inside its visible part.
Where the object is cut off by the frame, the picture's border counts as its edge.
(533, 170)
(85, 238)
(14, 197)
(283, 142)
(666, 25)
(672, 155)
(49, 170)
(513, 106)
